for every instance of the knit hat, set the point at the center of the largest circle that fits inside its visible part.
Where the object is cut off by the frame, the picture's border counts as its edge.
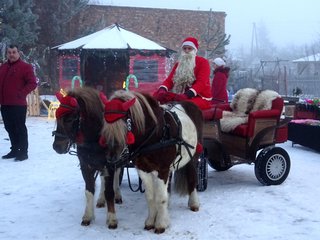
(219, 62)
(192, 42)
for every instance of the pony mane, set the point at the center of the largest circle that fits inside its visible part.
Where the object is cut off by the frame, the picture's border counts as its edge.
(115, 133)
(89, 101)
(136, 110)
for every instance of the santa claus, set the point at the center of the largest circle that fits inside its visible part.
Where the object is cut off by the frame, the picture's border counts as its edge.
(189, 78)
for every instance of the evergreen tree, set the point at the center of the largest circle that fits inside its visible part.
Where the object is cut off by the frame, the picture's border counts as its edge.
(54, 17)
(18, 24)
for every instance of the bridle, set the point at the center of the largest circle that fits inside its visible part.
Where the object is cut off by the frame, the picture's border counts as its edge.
(76, 125)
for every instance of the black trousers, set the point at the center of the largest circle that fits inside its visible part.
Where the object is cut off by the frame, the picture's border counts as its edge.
(14, 119)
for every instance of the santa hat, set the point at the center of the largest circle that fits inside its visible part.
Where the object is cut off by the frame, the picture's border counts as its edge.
(192, 42)
(219, 62)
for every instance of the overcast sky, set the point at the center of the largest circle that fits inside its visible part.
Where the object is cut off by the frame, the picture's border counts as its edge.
(288, 22)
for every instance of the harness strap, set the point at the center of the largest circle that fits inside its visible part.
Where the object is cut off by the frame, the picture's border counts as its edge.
(165, 141)
(180, 140)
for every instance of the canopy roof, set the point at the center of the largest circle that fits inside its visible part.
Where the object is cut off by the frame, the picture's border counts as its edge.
(112, 37)
(311, 58)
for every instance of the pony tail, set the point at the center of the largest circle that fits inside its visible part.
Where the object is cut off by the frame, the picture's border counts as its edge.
(185, 179)
(180, 181)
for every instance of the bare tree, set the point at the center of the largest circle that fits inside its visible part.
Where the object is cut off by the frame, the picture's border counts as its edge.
(214, 37)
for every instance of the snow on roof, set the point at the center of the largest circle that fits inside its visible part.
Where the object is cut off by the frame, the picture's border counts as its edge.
(310, 58)
(112, 37)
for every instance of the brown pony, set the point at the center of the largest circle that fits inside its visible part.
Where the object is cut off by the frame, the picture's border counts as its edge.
(158, 139)
(80, 121)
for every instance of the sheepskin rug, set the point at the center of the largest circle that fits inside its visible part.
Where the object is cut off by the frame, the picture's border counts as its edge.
(245, 101)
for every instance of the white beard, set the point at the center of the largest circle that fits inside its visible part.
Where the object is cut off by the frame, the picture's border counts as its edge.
(184, 75)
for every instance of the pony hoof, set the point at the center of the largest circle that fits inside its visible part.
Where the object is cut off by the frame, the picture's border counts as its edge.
(118, 201)
(100, 205)
(85, 223)
(148, 227)
(194, 209)
(159, 230)
(113, 226)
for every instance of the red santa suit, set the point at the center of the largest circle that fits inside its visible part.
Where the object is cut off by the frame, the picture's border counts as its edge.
(199, 90)
(219, 82)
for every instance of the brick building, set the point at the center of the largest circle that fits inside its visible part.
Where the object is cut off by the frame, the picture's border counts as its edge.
(164, 26)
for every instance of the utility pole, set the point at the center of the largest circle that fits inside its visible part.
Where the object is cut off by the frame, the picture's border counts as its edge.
(254, 41)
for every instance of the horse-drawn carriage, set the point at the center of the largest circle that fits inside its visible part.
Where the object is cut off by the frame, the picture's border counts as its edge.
(246, 131)
(160, 139)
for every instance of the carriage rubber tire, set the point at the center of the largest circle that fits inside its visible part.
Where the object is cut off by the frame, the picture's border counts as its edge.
(202, 173)
(217, 166)
(272, 166)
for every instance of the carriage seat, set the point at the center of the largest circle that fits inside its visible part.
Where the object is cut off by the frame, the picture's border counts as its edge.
(215, 112)
(249, 112)
(267, 117)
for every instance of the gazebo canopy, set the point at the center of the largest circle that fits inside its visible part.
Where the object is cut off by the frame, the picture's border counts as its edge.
(112, 37)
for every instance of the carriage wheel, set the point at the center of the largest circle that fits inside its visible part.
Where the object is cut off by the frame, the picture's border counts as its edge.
(202, 172)
(272, 166)
(217, 157)
(218, 167)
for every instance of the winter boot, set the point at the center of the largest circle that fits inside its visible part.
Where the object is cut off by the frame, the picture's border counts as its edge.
(11, 154)
(21, 156)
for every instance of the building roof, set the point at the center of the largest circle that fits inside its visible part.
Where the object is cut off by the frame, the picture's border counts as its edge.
(112, 37)
(311, 58)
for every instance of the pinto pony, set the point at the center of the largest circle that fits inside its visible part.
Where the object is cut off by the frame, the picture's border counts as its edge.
(158, 139)
(80, 120)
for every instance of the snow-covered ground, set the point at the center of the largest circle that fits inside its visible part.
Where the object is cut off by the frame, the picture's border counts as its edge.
(43, 198)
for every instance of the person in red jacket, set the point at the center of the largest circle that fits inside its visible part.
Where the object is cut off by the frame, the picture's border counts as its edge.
(189, 78)
(17, 80)
(219, 82)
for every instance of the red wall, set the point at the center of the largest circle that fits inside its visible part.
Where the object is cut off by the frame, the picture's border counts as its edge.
(145, 86)
(68, 71)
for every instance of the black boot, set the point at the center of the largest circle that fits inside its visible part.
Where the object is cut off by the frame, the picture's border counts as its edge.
(21, 156)
(11, 154)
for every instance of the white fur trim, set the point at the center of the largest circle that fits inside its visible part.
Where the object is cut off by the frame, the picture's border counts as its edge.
(196, 94)
(194, 91)
(164, 87)
(189, 43)
(219, 62)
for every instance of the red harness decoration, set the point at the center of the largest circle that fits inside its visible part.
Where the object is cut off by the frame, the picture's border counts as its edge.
(199, 148)
(116, 109)
(67, 105)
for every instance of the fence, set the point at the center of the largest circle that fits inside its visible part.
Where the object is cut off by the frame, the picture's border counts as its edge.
(282, 83)
(33, 108)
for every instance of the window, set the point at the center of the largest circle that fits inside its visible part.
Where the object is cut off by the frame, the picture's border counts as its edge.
(69, 68)
(146, 70)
